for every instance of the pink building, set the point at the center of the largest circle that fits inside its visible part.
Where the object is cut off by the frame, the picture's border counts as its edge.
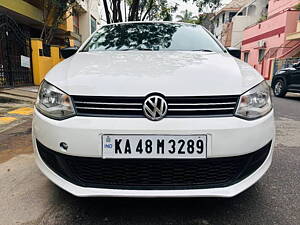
(269, 40)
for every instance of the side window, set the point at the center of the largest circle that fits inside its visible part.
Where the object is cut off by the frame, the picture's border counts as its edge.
(231, 15)
(93, 24)
(246, 57)
(261, 54)
(75, 22)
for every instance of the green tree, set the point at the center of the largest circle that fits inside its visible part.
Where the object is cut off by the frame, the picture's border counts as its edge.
(186, 17)
(55, 13)
(207, 6)
(141, 10)
(137, 10)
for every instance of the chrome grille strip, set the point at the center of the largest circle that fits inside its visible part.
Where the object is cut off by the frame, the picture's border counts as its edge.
(108, 103)
(202, 109)
(186, 106)
(202, 104)
(124, 109)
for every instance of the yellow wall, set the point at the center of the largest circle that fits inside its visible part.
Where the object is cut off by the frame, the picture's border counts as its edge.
(68, 25)
(70, 28)
(23, 8)
(42, 64)
(296, 35)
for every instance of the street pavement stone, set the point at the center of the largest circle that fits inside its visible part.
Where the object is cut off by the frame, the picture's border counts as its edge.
(6, 120)
(26, 111)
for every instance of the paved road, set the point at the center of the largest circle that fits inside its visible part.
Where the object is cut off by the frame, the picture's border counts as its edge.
(27, 197)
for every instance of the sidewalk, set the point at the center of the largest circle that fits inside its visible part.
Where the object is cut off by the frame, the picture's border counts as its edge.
(28, 93)
(16, 106)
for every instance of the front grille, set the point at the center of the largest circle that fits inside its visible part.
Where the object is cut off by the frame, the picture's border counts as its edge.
(212, 106)
(153, 173)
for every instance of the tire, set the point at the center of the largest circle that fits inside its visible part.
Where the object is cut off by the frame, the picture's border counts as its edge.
(279, 89)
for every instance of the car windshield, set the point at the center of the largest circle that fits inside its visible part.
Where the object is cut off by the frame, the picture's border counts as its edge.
(152, 37)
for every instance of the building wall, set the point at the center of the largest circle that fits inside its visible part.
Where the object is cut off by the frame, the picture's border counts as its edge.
(92, 9)
(30, 13)
(95, 9)
(273, 33)
(295, 35)
(239, 24)
(250, 16)
(219, 29)
(42, 64)
(23, 8)
(84, 26)
(276, 6)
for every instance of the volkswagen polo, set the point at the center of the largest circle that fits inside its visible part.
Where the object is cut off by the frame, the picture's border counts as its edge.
(153, 109)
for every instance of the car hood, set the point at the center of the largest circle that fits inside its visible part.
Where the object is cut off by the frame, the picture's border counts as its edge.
(139, 73)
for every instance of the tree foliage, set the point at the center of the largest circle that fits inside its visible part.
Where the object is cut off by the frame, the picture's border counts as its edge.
(186, 17)
(137, 10)
(141, 10)
(207, 6)
(129, 36)
(55, 13)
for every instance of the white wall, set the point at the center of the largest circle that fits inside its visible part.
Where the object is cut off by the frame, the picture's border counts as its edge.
(95, 9)
(92, 8)
(84, 26)
(239, 24)
(252, 14)
(218, 29)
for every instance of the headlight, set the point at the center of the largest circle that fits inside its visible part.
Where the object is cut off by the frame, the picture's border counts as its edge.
(54, 103)
(255, 103)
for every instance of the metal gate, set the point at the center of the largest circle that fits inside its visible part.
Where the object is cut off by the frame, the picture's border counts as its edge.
(15, 54)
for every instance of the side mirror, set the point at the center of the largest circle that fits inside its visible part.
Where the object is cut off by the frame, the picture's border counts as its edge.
(67, 52)
(296, 65)
(235, 52)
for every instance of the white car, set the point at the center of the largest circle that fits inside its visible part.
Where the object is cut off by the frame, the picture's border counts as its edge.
(155, 109)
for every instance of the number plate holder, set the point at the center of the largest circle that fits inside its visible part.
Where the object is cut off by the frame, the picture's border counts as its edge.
(154, 146)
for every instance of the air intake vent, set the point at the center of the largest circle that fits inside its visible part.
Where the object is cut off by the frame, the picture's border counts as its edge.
(153, 173)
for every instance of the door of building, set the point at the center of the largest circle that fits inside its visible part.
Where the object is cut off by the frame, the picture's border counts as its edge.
(15, 54)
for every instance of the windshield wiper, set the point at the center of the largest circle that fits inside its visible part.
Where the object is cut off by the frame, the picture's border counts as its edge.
(202, 50)
(138, 48)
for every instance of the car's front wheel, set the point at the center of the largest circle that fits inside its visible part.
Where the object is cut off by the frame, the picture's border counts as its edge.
(279, 88)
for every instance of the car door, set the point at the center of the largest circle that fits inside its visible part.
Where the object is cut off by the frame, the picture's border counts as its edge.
(295, 78)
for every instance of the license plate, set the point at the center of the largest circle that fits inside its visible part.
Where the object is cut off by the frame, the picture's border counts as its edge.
(154, 146)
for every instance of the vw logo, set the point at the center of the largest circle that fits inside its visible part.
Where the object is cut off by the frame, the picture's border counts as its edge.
(155, 107)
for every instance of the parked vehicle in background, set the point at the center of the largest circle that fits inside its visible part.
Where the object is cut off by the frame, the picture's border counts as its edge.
(287, 80)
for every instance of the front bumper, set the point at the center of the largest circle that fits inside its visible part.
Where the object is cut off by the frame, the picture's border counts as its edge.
(228, 137)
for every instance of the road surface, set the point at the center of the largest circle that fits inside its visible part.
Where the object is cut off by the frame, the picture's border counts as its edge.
(27, 197)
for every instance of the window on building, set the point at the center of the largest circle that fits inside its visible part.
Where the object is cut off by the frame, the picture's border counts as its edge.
(93, 24)
(217, 25)
(223, 18)
(246, 56)
(75, 22)
(231, 15)
(261, 54)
